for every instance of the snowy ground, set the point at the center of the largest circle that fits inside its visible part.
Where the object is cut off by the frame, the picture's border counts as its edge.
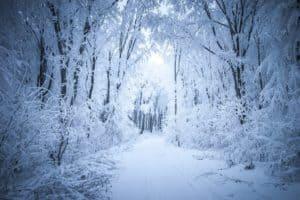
(153, 169)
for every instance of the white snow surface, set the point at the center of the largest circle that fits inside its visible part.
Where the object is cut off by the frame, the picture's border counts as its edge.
(154, 169)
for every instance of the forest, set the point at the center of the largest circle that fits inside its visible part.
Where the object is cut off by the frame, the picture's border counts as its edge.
(149, 99)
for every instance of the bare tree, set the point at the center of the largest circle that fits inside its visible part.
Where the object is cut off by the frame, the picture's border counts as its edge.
(127, 42)
(177, 62)
(108, 74)
(44, 81)
(239, 19)
(64, 62)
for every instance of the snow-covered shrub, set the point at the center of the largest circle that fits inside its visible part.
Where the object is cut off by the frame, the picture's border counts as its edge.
(27, 134)
(207, 127)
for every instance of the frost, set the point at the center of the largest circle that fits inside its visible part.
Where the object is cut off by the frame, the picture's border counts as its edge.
(149, 99)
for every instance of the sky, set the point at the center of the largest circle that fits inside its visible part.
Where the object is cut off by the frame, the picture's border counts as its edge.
(158, 69)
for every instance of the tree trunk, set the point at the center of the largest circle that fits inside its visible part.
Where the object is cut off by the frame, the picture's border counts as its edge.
(94, 59)
(107, 99)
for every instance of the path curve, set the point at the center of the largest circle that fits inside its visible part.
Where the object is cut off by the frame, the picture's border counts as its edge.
(154, 169)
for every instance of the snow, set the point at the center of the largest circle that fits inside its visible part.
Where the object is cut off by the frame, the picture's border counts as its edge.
(79, 82)
(154, 169)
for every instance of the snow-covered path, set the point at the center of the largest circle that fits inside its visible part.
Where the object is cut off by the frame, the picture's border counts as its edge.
(153, 169)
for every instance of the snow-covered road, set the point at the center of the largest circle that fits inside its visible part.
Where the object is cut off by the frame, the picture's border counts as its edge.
(153, 169)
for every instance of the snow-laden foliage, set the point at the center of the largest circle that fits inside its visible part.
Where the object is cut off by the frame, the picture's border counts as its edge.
(79, 77)
(246, 105)
(63, 64)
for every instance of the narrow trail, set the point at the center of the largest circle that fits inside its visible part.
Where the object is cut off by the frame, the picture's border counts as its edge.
(154, 169)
